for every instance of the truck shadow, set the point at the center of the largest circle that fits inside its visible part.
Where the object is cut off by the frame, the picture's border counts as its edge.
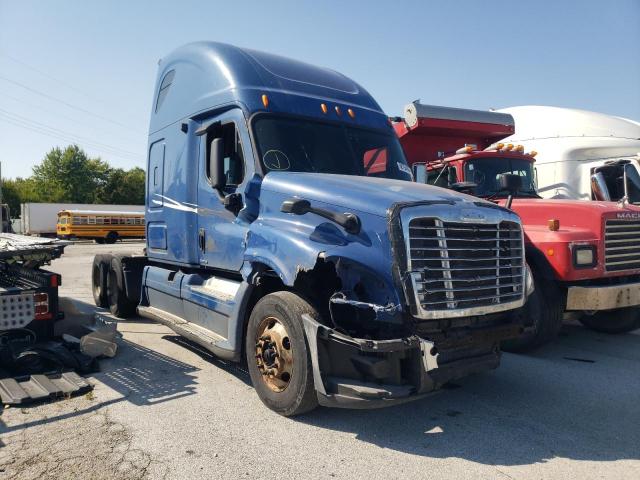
(137, 375)
(145, 377)
(576, 399)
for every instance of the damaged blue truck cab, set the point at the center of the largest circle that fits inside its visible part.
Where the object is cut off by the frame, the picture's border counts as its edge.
(283, 230)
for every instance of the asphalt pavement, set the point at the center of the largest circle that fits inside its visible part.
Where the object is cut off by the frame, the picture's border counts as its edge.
(164, 408)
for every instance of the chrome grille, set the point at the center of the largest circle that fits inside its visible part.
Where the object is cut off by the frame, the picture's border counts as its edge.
(465, 266)
(622, 245)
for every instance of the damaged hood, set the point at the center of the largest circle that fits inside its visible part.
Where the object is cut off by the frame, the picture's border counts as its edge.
(365, 194)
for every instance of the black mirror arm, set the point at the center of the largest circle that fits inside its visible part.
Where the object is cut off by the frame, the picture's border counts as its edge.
(349, 221)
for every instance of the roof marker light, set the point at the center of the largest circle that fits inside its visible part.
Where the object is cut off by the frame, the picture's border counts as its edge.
(499, 146)
(554, 224)
(338, 111)
(509, 147)
(265, 100)
(351, 113)
(532, 153)
(519, 148)
(324, 108)
(466, 149)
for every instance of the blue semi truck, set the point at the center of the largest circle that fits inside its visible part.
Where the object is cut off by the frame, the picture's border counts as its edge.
(284, 231)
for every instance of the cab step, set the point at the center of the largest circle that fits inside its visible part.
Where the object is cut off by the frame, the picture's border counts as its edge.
(201, 336)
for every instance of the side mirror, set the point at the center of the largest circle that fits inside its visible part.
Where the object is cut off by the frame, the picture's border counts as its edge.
(631, 184)
(510, 182)
(216, 164)
(465, 187)
(420, 172)
(599, 188)
(296, 206)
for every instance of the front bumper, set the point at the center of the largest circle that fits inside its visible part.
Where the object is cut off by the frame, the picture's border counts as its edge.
(603, 298)
(360, 373)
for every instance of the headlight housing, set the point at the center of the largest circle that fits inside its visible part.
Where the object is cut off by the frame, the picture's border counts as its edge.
(528, 281)
(584, 256)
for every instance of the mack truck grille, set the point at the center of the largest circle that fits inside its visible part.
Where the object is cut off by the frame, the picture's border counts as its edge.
(621, 245)
(463, 266)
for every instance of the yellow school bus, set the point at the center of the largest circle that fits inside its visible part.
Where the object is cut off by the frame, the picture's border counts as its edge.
(101, 226)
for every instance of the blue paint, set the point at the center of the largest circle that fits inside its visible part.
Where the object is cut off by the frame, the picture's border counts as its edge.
(210, 85)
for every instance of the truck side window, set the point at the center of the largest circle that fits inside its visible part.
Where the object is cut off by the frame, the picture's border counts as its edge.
(164, 88)
(442, 179)
(233, 156)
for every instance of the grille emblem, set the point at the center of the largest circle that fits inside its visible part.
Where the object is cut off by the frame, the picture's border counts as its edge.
(472, 215)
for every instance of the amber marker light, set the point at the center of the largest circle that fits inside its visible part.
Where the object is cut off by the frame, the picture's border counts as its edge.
(500, 146)
(519, 148)
(509, 147)
(466, 149)
(554, 224)
(351, 113)
(265, 100)
(338, 111)
(533, 153)
(324, 108)
(550, 252)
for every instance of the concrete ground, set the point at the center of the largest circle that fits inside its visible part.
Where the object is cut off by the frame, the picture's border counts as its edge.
(166, 409)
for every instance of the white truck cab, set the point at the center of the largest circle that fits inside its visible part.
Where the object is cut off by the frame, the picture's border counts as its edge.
(580, 154)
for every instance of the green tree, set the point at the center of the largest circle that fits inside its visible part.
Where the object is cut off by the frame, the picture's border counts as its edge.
(69, 176)
(123, 187)
(20, 190)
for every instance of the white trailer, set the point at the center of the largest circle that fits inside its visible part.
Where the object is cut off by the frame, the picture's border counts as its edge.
(41, 218)
(574, 145)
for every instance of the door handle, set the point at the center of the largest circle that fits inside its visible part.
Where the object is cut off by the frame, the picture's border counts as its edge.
(201, 242)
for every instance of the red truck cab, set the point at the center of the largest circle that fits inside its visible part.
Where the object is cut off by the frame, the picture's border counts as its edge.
(585, 256)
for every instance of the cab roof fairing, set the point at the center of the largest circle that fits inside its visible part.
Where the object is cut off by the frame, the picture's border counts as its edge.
(209, 75)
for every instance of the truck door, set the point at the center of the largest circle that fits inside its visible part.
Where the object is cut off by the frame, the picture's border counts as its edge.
(220, 233)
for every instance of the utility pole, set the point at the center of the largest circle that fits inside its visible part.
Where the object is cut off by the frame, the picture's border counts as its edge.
(0, 182)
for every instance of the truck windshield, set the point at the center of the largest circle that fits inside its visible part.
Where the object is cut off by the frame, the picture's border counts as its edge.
(486, 171)
(301, 145)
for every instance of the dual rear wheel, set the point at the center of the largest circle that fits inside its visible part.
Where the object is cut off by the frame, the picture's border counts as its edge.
(108, 286)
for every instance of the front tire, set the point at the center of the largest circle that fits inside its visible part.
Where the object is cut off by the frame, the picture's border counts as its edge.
(278, 356)
(543, 314)
(623, 320)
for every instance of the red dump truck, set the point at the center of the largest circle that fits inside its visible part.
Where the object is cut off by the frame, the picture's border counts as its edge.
(585, 256)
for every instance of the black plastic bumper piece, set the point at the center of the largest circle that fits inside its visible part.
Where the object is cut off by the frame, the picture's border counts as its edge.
(361, 373)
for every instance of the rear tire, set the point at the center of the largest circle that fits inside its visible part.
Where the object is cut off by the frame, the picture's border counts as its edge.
(622, 320)
(111, 237)
(543, 314)
(119, 303)
(289, 389)
(99, 272)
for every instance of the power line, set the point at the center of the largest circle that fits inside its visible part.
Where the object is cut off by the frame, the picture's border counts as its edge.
(57, 114)
(80, 109)
(48, 75)
(60, 137)
(57, 130)
(65, 138)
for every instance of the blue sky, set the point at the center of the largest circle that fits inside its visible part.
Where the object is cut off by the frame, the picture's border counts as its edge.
(84, 70)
